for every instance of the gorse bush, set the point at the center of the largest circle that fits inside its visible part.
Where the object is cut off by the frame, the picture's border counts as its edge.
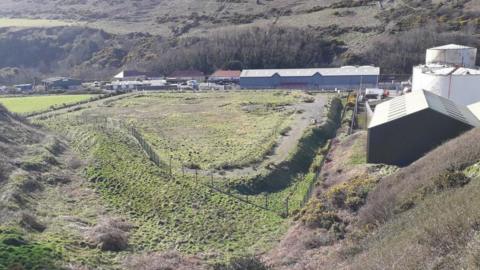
(317, 215)
(351, 194)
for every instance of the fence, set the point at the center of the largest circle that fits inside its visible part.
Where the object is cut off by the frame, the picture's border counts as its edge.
(311, 186)
(278, 203)
(68, 105)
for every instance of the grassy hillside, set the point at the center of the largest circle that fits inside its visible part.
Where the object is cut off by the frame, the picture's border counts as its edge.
(165, 35)
(42, 225)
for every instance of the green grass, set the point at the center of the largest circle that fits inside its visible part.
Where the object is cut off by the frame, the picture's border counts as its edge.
(210, 130)
(358, 154)
(29, 104)
(180, 212)
(16, 252)
(169, 213)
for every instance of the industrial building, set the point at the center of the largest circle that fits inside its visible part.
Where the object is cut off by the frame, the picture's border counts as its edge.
(450, 72)
(342, 78)
(405, 128)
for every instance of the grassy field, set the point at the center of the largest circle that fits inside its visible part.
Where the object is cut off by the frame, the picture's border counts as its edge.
(180, 212)
(169, 213)
(30, 104)
(208, 130)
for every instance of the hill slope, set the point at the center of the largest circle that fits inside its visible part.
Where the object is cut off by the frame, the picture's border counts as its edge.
(424, 216)
(160, 35)
(43, 225)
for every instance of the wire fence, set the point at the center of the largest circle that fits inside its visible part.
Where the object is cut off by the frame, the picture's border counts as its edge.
(278, 203)
(309, 193)
(68, 105)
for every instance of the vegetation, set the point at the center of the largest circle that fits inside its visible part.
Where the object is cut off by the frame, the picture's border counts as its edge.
(397, 54)
(425, 213)
(18, 253)
(29, 104)
(179, 211)
(168, 212)
(207, 130)
(207, 37)
(300, 160)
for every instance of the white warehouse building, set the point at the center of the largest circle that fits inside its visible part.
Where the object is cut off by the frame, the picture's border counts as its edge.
(450, 72)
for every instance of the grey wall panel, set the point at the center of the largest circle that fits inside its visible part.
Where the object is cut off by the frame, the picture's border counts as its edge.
(404, 140)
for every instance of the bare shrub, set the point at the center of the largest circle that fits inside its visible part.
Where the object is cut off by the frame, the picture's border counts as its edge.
(451, 180)
(171, 260)
(110, 235)
(396, 54)
(318, 240)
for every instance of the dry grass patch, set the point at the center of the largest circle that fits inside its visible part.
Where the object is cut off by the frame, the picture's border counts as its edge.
(110, 235)
(170, 260)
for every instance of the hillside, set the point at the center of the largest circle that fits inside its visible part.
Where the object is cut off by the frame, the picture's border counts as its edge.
(94, 39)
(424, 216)
(41, 220)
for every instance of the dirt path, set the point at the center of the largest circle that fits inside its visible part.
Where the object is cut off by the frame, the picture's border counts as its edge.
(311, 113)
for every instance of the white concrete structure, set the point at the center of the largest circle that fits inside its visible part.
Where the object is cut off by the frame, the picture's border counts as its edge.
(452, 54)
(448, 74)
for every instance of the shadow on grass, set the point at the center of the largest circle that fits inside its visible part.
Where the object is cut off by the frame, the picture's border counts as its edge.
(301, 159)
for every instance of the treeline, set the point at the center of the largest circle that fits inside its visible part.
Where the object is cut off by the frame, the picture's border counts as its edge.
(249, 48)
(93, 54)
(397, 54)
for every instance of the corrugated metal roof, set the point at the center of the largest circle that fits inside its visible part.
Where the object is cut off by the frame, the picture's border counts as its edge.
(308, 72)
(417, 101)
(451, 47)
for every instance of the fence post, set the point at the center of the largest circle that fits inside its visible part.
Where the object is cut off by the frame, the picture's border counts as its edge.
(266, 201)
(286, 206)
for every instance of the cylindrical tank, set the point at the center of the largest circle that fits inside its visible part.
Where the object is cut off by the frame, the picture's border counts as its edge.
(452, 54)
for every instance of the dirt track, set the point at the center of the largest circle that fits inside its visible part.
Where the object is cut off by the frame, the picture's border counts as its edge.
(311, 113)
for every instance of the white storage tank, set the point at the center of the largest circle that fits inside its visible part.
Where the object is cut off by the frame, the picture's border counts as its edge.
(452, 54)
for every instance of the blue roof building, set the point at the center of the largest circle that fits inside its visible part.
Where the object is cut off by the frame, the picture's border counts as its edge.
(342, 78)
